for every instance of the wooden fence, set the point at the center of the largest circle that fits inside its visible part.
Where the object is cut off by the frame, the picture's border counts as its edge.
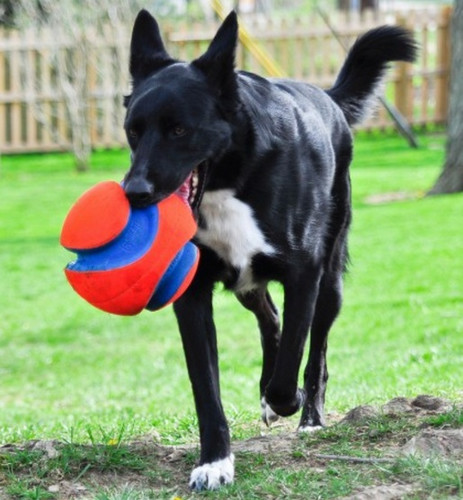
(51, 83)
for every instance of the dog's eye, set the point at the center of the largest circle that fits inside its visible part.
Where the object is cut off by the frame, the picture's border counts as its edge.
(132, 134)
(178, 130)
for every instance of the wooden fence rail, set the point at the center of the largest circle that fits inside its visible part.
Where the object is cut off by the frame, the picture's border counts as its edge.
(48, 79)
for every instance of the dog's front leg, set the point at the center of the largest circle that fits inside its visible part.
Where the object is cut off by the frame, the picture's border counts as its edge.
(194, 315)
(301, 291)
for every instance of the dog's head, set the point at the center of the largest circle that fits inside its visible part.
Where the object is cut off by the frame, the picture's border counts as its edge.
(177, 120)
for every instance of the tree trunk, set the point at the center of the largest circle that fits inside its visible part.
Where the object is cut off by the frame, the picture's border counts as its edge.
(451, 177)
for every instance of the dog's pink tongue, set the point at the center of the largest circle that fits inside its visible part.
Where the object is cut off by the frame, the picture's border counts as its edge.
(184, 191)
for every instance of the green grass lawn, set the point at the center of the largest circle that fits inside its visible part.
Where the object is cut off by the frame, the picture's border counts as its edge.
(70, 372)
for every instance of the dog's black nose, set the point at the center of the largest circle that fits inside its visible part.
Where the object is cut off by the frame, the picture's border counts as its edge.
(139, 192)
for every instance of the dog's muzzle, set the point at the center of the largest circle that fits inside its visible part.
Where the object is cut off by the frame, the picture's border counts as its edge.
(140, 192)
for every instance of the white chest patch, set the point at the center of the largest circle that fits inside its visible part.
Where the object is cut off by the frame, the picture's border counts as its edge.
(232, 232)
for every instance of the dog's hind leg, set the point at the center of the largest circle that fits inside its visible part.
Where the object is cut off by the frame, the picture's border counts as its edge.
(194, 315)
(316, 373)
(260, 303)
(301, 291)
(327, 308)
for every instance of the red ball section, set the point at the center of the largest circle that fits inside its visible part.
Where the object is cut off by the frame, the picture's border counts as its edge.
(96, 218)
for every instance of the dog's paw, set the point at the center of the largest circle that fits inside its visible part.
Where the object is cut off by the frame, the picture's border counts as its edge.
(309, 429)
(286, 407)
(213, 475)
(267, 414)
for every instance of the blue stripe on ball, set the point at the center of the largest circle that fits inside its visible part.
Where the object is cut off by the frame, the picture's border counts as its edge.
(174, 276)
(133, 242)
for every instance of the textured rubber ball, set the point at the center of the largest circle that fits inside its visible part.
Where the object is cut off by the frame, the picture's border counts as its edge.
(129, 259)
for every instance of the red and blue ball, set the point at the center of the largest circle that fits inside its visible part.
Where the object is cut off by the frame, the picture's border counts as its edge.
(129, 259)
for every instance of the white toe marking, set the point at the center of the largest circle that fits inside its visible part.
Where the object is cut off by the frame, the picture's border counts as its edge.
(267, 414)
(213, 475)
(309, 429)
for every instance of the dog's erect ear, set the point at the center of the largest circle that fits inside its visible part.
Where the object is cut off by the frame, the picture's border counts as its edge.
(218, 62)
(147, 51)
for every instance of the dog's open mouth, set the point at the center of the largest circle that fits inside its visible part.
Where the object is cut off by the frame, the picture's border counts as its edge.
(192, 190)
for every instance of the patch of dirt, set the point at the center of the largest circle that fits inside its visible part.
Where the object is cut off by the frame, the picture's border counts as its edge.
(393, 491)
(405, 430)
(436, 442)
(382, 198)
(360, 414)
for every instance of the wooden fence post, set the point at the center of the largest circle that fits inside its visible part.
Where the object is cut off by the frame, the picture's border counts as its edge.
(443, 64)
(93, 63)
(2, 91)
(16, 87)
(403, 83)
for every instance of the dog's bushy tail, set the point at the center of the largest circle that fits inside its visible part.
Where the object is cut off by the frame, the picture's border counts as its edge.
(365, 65)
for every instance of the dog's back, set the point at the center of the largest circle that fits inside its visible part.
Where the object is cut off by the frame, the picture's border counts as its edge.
(290, 166)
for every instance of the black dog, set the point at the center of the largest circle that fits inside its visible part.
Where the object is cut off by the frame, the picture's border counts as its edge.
(264, 165)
